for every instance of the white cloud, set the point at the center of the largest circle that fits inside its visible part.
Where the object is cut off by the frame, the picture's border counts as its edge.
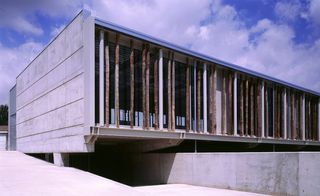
(288, 10)
(314, 10)
(214, 28)
(12, 61)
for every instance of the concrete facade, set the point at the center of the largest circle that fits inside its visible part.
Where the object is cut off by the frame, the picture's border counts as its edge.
(50, 101)
(268, 173)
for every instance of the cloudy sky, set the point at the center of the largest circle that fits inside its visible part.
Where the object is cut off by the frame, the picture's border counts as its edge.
(278, 38)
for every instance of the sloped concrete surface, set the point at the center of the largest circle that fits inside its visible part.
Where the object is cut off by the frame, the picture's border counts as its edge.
(23, 175)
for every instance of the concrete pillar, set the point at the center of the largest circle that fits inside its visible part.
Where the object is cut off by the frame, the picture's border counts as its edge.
(285, 113)
(303, 117)
(205, 124)
(235, 122)
(195, 96)
(160, 89)
(262, 109)
(61, 159)
(319, 119)
(101, 78)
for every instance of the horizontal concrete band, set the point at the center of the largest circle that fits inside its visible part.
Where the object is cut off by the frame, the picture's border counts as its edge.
(128, 133)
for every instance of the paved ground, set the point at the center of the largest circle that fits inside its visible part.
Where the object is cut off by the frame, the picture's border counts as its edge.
(24, 175)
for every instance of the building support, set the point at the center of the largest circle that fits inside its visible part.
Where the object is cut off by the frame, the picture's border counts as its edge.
(61, 159)
(188, 96)
(131, 84)
(160, 89)
(284, 113)
(301, 132)
(107, 84)
(235, 112)
(303, 113)
(246, 107)
(230, 129)
(252, 108)
(169, 122)
(205, 123)
(241, 107)
(147, 86)
(173, 100)
(101, 79)
(195, 96)
(155, 92)
(144, 54)
(318, 119)
(292, 115)
(262, 109)
(266, 108)
(198, 98)
(116, 88)
(258, 133)
(223, 104)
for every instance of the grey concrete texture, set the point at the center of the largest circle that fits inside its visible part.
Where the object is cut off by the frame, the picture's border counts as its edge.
(22, 175)
(287, 173)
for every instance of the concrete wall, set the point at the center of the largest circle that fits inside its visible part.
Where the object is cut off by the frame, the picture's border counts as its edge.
(3, 141)
(294, 173)
(50, 96)
(12, 120)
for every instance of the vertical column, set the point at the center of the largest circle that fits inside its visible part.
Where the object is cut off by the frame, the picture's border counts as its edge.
(131, 85)
(292, 115)
(230, 104)
(303, 126)
(198, 99)
(276, 112)
(210, 100)
(252, 108)
(262, 109)
(188, 96)
(101, 79)
(258, 134)
(116, 85)
(160, 89)
(147, 109)
(144, 52)
(107, 84)
(246, 107)
(223, 104)
(235, 112)
(214, 74)
(318, 119)
(195, 96)
(155, 92)
(205, 128)
(301, 132)
(284, 113)
(241, 107)
(266, 108)
(173, 101)
(279, 113)
(169, 92)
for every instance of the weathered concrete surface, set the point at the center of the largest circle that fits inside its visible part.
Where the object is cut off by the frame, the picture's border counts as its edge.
(289, 173)
(22, 175)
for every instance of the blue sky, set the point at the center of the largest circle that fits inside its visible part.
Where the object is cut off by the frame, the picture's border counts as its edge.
(278, 38)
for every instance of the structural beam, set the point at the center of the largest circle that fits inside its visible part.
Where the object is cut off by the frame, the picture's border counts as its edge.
(223, 104)
(284, 113)
(241, 108)
(173, 101)
(107, 84)
(235, 112)
(188, 96)
(131, 84)
(318, 119)
(292, 115)
(156, 92)
(144, 53)
(147, 86)
(198, 98)
(262, 109)
(169, 122)
(160, 89)
(195, 96)
(258, 134)
(101, 79)
(266, 109)
(230, 129)
(246, 107)
(205, 124)
(252, 108)
(116, 84)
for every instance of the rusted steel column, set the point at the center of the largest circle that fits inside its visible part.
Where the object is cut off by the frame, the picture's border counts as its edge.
(241, 106)
(246, 107)
(251, 108)
(116, 89)
(169, 92)
(156, 90)
(223, 103)
(198, 98)
(188, 96)
(259, 108)
(292, 115)
(266, 108)
(214, 100)
(107, 84)
(173, 101)
(230, 112)
(131, 84)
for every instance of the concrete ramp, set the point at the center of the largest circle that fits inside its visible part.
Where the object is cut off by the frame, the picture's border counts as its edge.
(21, 174)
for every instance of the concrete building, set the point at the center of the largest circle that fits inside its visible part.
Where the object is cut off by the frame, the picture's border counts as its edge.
(97, 81)
(3, 137)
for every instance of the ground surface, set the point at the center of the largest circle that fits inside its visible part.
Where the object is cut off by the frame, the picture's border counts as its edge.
(24, 175)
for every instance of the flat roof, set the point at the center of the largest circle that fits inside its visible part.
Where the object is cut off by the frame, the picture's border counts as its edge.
(157, 41)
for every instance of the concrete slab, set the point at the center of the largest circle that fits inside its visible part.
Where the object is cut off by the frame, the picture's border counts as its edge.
(186, 190)
(22, 175)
